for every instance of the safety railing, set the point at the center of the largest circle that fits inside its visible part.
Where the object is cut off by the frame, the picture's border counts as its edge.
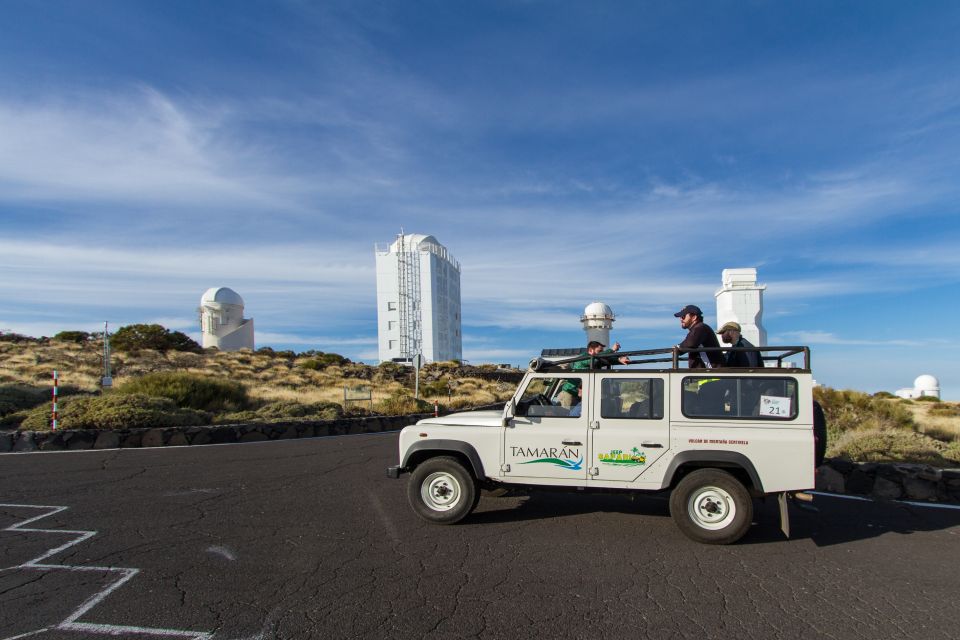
(771, 357)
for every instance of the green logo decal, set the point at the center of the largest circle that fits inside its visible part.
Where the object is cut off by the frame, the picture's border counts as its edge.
(635, 458)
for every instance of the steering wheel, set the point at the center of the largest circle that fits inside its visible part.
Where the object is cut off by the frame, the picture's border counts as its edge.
(541, 400)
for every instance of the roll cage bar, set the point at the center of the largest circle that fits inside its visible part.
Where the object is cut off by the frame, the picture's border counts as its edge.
(674, 355)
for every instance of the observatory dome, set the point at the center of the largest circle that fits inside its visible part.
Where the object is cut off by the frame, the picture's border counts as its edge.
(597, 310)
(221, 295)
(414, 241)
(926, 383)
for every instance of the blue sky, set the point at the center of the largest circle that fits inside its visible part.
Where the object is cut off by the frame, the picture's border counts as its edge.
(564, 152)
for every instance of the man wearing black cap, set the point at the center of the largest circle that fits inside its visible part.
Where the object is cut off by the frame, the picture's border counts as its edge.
(699, 335)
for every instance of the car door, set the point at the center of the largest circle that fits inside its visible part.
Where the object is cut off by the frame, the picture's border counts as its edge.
(544, 440)
(630, 426)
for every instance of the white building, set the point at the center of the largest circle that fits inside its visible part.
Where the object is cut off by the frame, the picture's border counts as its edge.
(221, 320)
(597, 320)
(925, 385)
(418, 300)
(740, 300)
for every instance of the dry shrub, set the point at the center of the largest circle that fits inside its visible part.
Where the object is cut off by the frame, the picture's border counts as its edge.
(852, 411)
(15, 397)
(462, 404)
(945, 410)
(285, 411)
(115, 411)
(878, 445)
(402, 403)
(185, 359)
(190, 390)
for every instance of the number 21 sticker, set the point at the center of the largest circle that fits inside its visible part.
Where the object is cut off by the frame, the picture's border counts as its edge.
(775, 406)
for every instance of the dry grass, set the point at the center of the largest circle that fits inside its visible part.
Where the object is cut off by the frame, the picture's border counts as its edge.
(267, 377)
(938, 420)
(891, 445)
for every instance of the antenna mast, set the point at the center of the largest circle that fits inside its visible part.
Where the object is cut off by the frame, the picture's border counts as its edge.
(107, 380)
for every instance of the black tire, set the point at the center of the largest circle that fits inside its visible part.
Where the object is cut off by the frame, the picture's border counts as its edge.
(711, 506)
(819, 434)
(442, 491)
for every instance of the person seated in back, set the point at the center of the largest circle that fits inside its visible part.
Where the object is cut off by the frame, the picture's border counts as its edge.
(730, 333)
(699, 335)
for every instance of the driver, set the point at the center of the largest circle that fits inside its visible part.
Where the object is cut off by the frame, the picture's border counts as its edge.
(570, 391)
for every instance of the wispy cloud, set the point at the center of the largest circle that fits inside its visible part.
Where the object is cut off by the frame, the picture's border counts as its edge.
(138, 146)
(318, 342)
(828, 338)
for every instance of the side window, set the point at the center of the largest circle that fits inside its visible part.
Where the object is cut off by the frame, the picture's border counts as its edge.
(539, 399)
(741, 397)
(632, 398)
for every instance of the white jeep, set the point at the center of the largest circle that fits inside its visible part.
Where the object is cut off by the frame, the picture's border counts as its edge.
(715, 439)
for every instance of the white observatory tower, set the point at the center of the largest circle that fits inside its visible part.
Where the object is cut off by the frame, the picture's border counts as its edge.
(597, 321)
(222, 322)
(418, 300)
(741, 301)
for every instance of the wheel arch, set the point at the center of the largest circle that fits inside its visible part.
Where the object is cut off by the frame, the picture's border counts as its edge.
(733, 462)
(423, 450)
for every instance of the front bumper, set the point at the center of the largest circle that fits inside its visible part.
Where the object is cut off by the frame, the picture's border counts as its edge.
(394, 472)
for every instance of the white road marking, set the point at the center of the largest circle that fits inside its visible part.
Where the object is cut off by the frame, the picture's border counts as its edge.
(222, 551)
(125, 575)
(929, 505)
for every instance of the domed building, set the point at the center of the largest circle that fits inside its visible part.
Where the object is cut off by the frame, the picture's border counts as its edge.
(597, 320)
(221, 320)
(418, 300)
(925, 385)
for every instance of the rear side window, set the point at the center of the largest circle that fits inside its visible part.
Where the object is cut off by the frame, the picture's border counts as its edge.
(742, 397)
(632, 398)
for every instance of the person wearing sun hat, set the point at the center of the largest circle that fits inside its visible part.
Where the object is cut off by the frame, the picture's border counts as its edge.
(730, 333)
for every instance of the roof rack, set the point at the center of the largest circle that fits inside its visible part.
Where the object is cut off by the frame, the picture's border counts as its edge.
(673, 355)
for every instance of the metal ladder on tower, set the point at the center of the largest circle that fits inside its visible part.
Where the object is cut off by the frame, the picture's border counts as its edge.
(408, 269)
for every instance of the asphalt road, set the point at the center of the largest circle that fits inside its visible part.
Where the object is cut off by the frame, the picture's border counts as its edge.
(309, 539)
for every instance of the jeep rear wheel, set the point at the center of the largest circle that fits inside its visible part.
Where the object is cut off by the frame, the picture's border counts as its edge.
(819, 434)
(711, 506)
(442, 491)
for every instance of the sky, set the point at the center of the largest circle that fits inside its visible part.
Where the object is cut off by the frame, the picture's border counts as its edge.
(563, 152)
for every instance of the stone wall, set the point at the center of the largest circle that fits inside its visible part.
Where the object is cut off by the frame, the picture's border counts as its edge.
(889, 481)
(77, 439)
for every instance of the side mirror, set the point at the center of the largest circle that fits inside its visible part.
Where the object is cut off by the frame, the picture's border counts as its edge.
(509, 410)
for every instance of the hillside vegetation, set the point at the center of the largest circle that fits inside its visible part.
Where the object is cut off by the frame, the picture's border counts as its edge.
(220, 387)
(181, 384)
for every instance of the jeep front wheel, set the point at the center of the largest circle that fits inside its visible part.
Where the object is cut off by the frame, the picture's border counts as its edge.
(442, 491)
(711, 506)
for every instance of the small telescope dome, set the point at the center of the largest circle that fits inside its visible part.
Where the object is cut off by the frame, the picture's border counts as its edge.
(597, 310)
(221, 295)
(926, 383)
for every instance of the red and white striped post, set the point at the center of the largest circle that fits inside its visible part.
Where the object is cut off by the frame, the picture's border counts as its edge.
(55, 379)
(436, 409)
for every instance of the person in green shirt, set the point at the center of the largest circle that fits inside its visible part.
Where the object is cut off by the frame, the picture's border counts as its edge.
(570, 391)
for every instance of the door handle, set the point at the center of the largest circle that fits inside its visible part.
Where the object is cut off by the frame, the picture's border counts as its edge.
(572, 443)
(651, 445)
